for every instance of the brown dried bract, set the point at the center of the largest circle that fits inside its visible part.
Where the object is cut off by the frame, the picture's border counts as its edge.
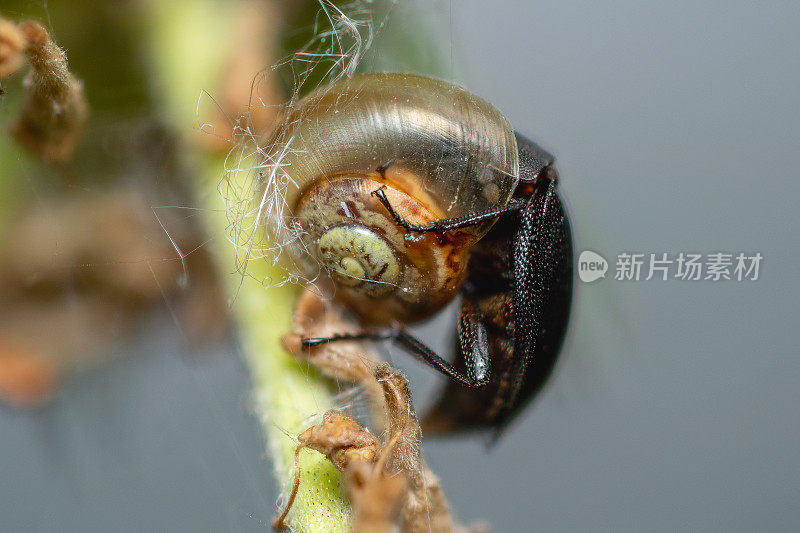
(339, 438)
(377, 487)
(77, 273)
(425, 507)
(398, 480)
(27, 379)
(377, 499)
(351, 362)
(54, 111)
(12, 46)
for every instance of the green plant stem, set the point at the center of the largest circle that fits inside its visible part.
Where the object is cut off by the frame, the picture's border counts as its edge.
(187, 56)
(286, 393)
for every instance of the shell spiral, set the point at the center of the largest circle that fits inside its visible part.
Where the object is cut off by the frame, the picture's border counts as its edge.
(438, 150)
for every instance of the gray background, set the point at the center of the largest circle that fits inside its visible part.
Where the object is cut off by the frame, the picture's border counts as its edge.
(675, 406)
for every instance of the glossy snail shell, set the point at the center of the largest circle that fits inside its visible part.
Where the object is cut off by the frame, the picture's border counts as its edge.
(440, 151)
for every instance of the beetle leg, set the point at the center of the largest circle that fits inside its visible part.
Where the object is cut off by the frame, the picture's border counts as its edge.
(474, 342)
(449, 224)
(374, 335)
(422, 352)
(415, 347)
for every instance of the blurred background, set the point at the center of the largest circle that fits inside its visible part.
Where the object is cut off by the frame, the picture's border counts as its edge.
(674, 406)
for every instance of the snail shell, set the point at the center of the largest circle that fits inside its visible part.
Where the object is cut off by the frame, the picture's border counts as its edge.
(440, 152)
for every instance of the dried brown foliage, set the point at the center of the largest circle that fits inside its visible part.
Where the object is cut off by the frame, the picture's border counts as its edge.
(78, 272)
(54, 111)
(390, 482)
(12, 46)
